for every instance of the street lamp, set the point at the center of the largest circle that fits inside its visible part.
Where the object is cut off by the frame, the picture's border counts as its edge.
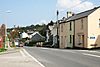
(5, 18)
(57, 30)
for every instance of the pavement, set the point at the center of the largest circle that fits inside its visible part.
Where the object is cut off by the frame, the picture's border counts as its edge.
(18, 58)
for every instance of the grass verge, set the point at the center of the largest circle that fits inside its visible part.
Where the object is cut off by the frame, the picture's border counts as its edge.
(2, 49)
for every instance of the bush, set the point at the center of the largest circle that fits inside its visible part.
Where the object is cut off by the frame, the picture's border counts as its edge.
(47, 44)
(31, 43)
(2, 49)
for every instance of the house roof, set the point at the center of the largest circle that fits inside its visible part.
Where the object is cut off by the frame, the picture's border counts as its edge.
(82, 14)
(37, 37)
(24, 35)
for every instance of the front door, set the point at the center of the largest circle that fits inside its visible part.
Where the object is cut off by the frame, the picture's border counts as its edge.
(83, 41)
(73, 41)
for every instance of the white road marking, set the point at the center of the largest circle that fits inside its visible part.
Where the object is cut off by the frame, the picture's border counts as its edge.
(88, 51)
(22, 54)
(76, 51)
(59, 50)
(83, 50)
(91, 55)
(95, 51)
(45, 48)
(69, 51)
(33, 58)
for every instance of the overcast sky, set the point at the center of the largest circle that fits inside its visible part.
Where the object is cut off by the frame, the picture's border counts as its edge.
(27, 12)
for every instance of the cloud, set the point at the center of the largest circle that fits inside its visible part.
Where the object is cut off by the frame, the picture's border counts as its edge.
(42, 22)
(74, 5)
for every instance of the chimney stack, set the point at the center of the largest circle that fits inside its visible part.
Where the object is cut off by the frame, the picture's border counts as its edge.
(69, 14)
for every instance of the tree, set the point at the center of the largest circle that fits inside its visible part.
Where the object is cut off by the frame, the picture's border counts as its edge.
(43, 30)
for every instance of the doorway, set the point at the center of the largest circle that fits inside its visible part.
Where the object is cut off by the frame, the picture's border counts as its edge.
(83, 41)
(73, 41)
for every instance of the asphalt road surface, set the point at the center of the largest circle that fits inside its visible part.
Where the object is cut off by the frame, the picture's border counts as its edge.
(50, 57)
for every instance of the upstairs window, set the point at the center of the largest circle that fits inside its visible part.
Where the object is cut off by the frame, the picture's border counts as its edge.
(61, 27)
(99, 23)
(70, 39)
(82, 23)
(62, 40)
(70, 26)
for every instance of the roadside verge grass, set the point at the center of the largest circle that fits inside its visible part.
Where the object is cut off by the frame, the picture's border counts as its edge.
(2, 49)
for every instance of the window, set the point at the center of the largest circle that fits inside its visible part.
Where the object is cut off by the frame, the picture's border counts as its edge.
(61, 40)
(65, 40)
(99, 23)
(82, 23)
(61, 27)
(70, 26)
(65, 37)
(70, 39)
(79, 38)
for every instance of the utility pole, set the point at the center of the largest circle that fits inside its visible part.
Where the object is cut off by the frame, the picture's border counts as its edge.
(5, 18)
(57, 30)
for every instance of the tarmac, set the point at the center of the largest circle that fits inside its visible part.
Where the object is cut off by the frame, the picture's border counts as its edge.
(17, 58)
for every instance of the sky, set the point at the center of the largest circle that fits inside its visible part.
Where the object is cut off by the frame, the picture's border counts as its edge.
(27, 12)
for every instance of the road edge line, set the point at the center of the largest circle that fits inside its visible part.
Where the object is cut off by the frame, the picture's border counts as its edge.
(33, 58)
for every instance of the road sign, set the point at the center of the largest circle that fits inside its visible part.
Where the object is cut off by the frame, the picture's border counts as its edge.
(92, 37)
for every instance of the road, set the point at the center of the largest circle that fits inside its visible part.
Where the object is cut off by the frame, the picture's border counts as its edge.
(50, 57)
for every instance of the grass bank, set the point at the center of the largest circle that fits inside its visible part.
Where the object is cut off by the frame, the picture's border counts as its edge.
(2, 49)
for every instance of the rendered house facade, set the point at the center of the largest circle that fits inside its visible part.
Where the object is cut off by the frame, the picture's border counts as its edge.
(63, 34)
(86, 29)
(81, 30)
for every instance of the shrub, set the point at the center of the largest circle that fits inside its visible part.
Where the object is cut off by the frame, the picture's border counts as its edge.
(32, 43)
(47, 44)
(2, 49)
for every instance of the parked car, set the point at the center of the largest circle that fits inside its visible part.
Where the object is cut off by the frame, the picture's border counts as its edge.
(16, 42)
(21, 44)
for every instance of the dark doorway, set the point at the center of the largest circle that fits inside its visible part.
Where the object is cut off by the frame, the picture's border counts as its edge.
(73, 41)
(83, 41)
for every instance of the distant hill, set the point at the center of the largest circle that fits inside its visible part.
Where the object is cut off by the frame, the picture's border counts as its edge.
(41, 28)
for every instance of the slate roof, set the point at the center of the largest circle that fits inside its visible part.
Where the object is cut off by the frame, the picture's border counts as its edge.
(82, 14)
(37, 37)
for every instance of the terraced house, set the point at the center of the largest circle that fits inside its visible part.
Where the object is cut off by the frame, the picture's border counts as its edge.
(83, 29)
(64, 32)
